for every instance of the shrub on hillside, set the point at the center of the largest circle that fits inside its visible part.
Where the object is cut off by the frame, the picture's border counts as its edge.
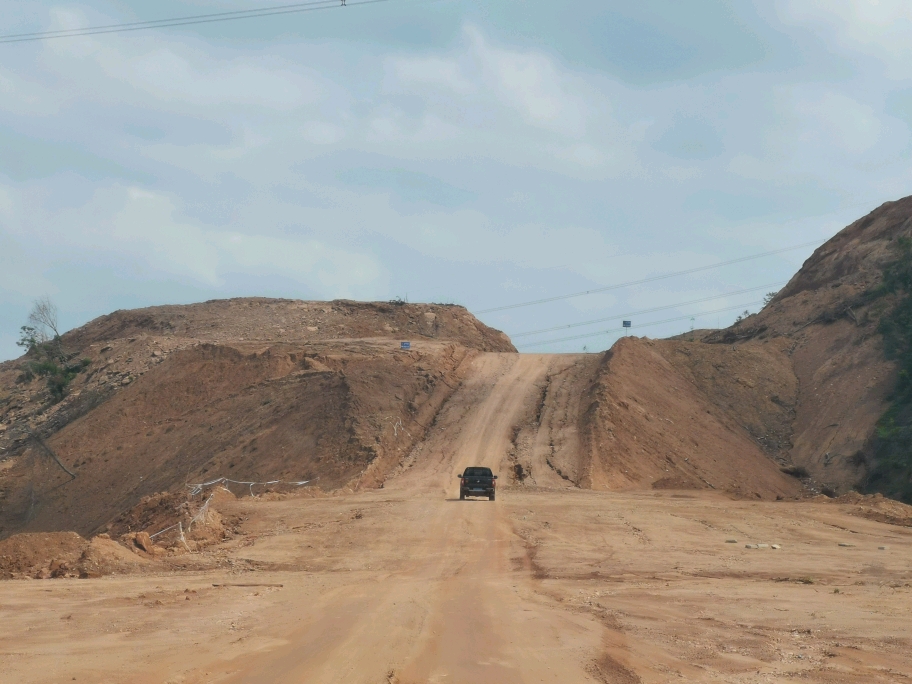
(891, 473)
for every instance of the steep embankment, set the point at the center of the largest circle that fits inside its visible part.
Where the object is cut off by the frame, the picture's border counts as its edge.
(800, 386)
(626, 419)
(254, 390)
(830, 314)
(649, 425)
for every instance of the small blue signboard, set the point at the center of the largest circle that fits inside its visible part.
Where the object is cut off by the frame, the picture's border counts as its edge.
(626, 323)
(405, 345)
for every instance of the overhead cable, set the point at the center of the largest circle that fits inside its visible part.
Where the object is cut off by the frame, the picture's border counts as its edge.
(644, 325)
(295, 8)
(662, 276)
(646, 311)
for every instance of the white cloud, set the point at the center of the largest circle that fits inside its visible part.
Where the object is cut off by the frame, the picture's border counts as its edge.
(832, 119)
(877, 27)
(533, 85)
(438, 72)
(322, 132)
(682, 173)
(6, 201)
(176, 77)
(166, 75)
(851, 124)
(528, 83)
(144, 231)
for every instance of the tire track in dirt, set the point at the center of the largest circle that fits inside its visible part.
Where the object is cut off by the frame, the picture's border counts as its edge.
(462, 612)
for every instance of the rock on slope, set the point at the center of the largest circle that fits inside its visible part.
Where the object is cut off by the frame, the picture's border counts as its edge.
(251, 389)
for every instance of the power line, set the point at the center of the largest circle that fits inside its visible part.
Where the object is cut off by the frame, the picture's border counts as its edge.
(646, 311)
(652, 278)
(644, 325)
(779, 225)
(184, 21)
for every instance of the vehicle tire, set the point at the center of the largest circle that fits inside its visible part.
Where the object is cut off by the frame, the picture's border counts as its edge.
(491, 498)
(462, 496)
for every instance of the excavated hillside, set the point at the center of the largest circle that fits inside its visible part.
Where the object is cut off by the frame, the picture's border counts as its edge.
(797, 388)
(249, 389)
(279, 391)
(650, 424)
(825, 321)
(807, 379)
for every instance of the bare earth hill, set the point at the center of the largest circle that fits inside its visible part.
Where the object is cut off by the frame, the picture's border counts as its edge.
(644, 529)
(825, 322)
(261, 390)
(251, 389)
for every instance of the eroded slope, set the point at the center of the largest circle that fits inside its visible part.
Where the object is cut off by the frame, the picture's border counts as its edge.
(253, 390)
(828, 314)
(649, 425)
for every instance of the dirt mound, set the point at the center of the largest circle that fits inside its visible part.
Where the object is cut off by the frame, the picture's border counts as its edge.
(275, 321)
(753, 383)
(104, 556)
(46, 555)
(875, 507)
(649, 425)
(57, 553)
(177, 522)
(124, 345)
(337, 414)
(249, 389)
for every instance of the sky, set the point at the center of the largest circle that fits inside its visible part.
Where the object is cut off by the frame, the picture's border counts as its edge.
(451, 151)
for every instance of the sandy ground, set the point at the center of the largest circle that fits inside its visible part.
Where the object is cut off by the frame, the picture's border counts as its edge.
(407, 584)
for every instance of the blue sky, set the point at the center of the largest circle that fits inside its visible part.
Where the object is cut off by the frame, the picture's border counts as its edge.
(450, 151)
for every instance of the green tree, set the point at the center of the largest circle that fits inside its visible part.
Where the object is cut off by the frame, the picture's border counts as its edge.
(45, 353)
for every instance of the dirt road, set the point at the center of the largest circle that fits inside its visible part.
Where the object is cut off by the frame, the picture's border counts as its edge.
(458, 612)
(550, 583)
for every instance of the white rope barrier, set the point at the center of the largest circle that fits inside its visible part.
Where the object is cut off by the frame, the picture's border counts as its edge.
(197, 488)
(180, 527)
(153, 536)
(204, 509)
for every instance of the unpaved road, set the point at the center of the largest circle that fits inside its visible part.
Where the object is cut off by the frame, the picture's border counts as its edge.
(547, 584)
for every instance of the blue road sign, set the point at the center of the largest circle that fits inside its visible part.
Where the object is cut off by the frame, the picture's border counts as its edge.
(405, 345)
(626, 324)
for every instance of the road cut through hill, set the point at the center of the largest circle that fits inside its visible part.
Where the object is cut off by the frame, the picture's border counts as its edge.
(550, 583)
(457, 610)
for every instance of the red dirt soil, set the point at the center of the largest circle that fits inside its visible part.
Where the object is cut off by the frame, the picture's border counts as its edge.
(642, 531)
(260, 390)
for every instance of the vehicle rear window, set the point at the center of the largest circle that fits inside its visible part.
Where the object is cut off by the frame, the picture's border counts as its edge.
(477, 472)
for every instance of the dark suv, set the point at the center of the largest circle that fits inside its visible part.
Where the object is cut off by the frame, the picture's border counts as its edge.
(477, 481)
